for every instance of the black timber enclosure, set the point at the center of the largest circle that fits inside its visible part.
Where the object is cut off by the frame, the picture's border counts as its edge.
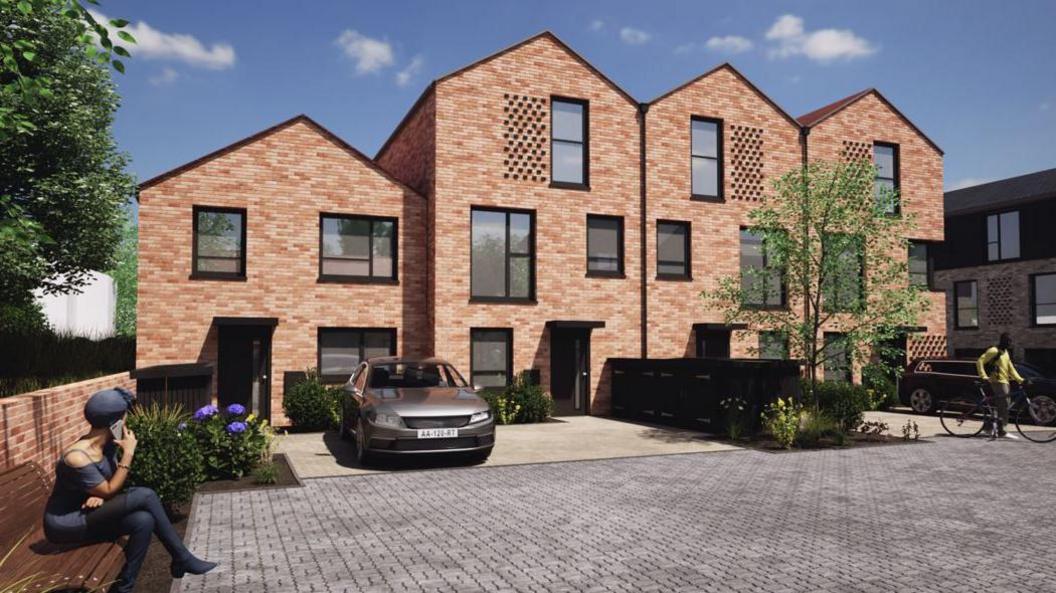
(186, 385)
(687, 392)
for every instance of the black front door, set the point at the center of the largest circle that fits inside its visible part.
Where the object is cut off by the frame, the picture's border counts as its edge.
(713, 343)
(244, 367)
(570, 371)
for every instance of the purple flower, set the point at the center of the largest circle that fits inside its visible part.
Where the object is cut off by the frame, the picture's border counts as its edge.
(236, 427)
(181, 426)
(236, 410)
(205, 412)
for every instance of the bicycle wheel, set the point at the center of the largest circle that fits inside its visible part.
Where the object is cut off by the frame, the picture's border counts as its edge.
(1035, 423)
(963, 419)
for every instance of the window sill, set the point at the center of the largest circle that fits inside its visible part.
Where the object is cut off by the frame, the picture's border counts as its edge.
(674, 277)
(606, 275)
(221, 277)
(567, 185)
(702, 198)
(502, 301)
(356, 280)
(970, 329)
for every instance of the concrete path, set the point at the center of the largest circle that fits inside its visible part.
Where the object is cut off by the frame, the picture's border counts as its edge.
(950, 516)
(574, 438)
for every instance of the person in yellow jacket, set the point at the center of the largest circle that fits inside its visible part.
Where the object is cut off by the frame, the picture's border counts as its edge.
(1001, 373)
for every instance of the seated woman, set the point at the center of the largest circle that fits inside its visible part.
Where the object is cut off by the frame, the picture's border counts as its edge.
(88, 504)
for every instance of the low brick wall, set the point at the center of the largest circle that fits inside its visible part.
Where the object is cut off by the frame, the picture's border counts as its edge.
(36, 426)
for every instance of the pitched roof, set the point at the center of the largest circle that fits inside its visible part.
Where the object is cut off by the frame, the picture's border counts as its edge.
(301, 118)
(742, 77)
(809, 120)
(1005, 192)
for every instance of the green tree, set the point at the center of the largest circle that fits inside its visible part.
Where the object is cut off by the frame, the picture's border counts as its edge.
(830, 249)
(63, 181)
(125, 276)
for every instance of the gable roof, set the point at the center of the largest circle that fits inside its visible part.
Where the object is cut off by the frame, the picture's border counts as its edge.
(742, 77)
(809, 120)
(1004, 192)
(301, 118)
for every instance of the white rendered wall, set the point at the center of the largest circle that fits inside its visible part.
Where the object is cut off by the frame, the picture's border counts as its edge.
(89, 314)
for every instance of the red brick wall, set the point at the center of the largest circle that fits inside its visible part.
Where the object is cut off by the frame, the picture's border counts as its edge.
(674, 306)
(37, 426)
(284, 180)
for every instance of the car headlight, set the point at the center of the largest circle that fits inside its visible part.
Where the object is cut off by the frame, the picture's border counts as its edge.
(480, 416)
(389, 420)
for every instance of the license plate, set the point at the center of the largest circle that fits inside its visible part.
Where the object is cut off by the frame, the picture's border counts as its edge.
(437, 433)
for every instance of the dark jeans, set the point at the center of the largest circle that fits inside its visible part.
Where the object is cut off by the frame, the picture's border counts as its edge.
(136, 513)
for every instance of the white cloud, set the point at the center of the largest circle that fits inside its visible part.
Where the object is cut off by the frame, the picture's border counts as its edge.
(686, 48)
(152, 44)
(633, 36)
(968, 182)
(166, 77)
(823, 45)
(733, 44)
(370, 55)
(404, 77)
(597, 25)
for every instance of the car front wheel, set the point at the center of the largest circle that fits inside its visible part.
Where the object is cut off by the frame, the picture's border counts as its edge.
(921, 401)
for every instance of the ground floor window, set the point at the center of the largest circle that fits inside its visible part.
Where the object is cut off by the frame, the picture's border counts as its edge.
(1043, 299)
(491, 363)
(966, 304)
(837, 359)
(773, 345)
(341, 349)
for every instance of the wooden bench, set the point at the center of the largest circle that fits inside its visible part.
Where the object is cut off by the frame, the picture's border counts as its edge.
(24, 491)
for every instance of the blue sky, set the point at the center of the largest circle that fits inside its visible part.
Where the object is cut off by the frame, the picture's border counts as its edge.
(978, 77)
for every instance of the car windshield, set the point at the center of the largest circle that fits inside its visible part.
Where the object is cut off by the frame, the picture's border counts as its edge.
(414, 375)
(1028, 371)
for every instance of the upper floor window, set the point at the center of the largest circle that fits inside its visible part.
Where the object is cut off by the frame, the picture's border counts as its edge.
(491, 359)
(357, 248)
(706, 157)
(885, 156)
(569, 152)
(919, 265)
(966, 304)
(1002, 236)
(844, 283)
(672, 250)
(1043, 299)
(219, 242)
(762, 282)
(604, 245)
(503, 254)
(341, 349)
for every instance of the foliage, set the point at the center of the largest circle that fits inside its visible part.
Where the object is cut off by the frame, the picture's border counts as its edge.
(883, 389)
(506, 411)
(874, 430)
(814, 426)
(168, 458)
(738, 417)
(845, 403)
(39, 359)
(231, 442)
(910, 431)
(266, 473)
(311, 405)
(125, 275)
(781, 421)
(822, 221)
(22, 317)
(521, 402)
(37, 583)
(63, 181)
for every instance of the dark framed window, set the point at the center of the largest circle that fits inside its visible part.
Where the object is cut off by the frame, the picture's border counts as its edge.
(491, 357)
(502, 262)
(604, 245)
(837, 363)
(219, 243)
(966, 304)
(672, 250)
(920, 266)
(885, 157)
(357, 248)
(569, 143)
(762, 283)
(843, 287)
(342, 349)
(1043, 299)
(1002, 236)
(706, 157)
(773, 345)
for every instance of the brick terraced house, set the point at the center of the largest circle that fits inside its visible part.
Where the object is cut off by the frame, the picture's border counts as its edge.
(527, 214)
(998, 265)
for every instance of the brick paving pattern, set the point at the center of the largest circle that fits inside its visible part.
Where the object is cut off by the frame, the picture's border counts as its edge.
(950, 516)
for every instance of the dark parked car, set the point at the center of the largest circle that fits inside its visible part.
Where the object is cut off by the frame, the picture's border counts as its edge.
(928, 381)
(413, 406)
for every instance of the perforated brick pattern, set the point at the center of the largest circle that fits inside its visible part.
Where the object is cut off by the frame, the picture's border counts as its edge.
(999, 300)
(524, 123)
(856, 151)
(746, 158)
(927, 346)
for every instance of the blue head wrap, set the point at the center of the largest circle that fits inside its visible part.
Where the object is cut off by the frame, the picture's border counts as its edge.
(107, 406)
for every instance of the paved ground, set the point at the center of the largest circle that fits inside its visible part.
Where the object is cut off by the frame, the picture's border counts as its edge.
(951, 515)
(575, 438)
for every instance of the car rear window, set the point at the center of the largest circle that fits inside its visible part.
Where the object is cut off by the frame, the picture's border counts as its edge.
(414, 375)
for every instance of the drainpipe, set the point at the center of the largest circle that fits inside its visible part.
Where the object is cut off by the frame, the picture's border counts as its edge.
(643, 108)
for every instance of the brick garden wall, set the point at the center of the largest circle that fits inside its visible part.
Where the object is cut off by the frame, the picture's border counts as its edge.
(37, 426)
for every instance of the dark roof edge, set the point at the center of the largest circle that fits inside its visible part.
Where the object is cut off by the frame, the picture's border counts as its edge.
(406, 119)
(848, 101)
(997, 204)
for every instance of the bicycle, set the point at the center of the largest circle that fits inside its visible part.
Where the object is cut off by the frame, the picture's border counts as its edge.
(967, 419)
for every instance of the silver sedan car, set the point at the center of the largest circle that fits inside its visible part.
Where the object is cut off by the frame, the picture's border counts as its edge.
(413, 406)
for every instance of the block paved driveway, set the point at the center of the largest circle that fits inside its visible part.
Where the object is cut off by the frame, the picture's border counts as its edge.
(947, 516)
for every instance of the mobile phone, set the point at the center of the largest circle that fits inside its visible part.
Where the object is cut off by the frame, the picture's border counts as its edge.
(118, 429)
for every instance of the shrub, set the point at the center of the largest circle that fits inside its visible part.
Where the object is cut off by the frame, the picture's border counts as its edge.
(781, 420)
(266, 473)
(843, 402)
(167, 457)
(814, 426)
(231, 442)
(738, 417)
(884, 389)
(311, 405)
(39, 359)
(521, 402)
